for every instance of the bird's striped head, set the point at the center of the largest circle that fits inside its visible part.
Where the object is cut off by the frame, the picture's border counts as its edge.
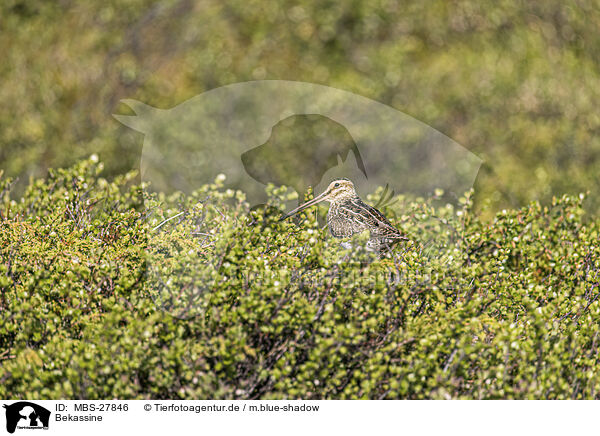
(338, 190)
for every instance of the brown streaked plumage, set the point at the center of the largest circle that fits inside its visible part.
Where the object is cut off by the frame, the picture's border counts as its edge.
(349, 215)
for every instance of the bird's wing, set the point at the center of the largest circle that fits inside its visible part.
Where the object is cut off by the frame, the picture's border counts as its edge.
(345, 220)
(377, 223)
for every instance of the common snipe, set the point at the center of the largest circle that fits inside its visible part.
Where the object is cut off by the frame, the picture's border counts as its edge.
(349, 215)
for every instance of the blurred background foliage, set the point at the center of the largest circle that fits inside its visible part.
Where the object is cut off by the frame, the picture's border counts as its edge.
(516, 82)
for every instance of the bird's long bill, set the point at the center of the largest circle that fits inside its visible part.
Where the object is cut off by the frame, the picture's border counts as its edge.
(300, 208)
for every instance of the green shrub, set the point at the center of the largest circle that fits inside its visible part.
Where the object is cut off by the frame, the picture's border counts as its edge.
(258, 308)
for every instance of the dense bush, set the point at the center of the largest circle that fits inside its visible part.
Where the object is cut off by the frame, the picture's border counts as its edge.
(89, 269)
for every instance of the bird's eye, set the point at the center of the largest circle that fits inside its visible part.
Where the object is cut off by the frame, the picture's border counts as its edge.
(336, 185)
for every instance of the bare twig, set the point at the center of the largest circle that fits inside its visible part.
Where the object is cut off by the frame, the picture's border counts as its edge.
(167, 220)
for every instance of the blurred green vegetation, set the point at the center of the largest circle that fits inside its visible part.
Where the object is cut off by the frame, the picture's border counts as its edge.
(516, 82)
(504, 309)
